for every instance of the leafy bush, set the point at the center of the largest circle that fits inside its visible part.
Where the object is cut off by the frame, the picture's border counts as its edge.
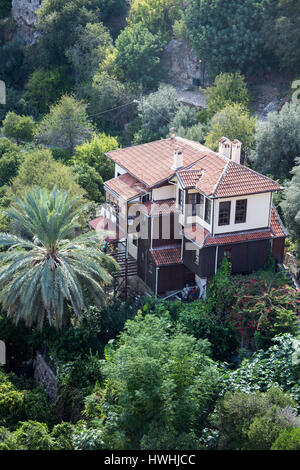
(288, 439)
(20, 128)
(32, 435)
(253, 421)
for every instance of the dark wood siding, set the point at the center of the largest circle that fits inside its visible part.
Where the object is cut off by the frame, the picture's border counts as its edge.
(278, 249)
(174, 278)
(205, 266)
(246, 257)
(171, 226)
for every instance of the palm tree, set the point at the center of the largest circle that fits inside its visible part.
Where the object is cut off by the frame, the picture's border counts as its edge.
(43, 276)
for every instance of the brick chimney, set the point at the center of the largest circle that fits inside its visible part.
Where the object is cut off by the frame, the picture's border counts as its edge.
(178, 159)
(225, 147)
(236, 151)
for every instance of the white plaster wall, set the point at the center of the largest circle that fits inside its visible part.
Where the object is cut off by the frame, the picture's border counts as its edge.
(258, 211)
(164, 192)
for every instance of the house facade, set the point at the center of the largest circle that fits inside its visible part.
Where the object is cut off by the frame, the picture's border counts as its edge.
(182, 208)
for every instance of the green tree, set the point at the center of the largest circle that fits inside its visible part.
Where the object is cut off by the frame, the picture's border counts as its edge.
(226, 34)
(41, 278)
(277, 142)
(110, 102)
(89, 50)
(228, 88)
(45, 87)
(13, 67)
(137, 55)
(10, 160)
(155, 113)
(234, 122)
(66, 125)
(58, 20)
(281, 33)
(90, 180)
(20, 128)
(158, 16)
(93, 154)
(40, 168)
(160, 387)
(291, 204)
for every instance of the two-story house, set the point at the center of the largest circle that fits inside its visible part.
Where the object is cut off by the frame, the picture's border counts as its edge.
(182, 208)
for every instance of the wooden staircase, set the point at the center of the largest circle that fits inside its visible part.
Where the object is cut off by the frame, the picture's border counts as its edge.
(127, 264)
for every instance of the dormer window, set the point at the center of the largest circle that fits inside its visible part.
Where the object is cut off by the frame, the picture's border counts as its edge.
(241, 211)
(224, 213)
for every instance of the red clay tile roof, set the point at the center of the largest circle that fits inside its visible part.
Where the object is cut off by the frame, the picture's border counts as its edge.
(156, 208)
(239, 180)
(203, 238)
(126, 186)
(166, 256)
(152, 163)
(189, 178)
(276, 224)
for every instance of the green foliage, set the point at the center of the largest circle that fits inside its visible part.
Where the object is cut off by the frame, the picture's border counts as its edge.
(288, 439)
(184, 117)
(160, 386)
(110, 101)
(138, 54)
(13, 68)
(5, 7)
(66, 125)
(43, 275)
(18, 402)
(62, 435)
(281, 33)
(89, 50)
(263, 310)
(253, 421)
(158, 16)
(90, 180)
(277, 142)
(45, 87)
(234, 122)
(10, 159)
(228, 88)
(40, 169)
(156, 111)
(201, 323)
(227, 34)
(32, 435)
(20, 128)
(291, 204)
(278, 366)
(93, 154)
(58, 21)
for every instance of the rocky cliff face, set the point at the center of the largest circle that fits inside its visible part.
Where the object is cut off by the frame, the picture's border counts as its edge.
(183, 66)
(24, 14)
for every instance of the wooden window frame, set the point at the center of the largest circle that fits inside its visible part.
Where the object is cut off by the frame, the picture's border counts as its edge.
(243, 220)
(208, 204)
(224, 214)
